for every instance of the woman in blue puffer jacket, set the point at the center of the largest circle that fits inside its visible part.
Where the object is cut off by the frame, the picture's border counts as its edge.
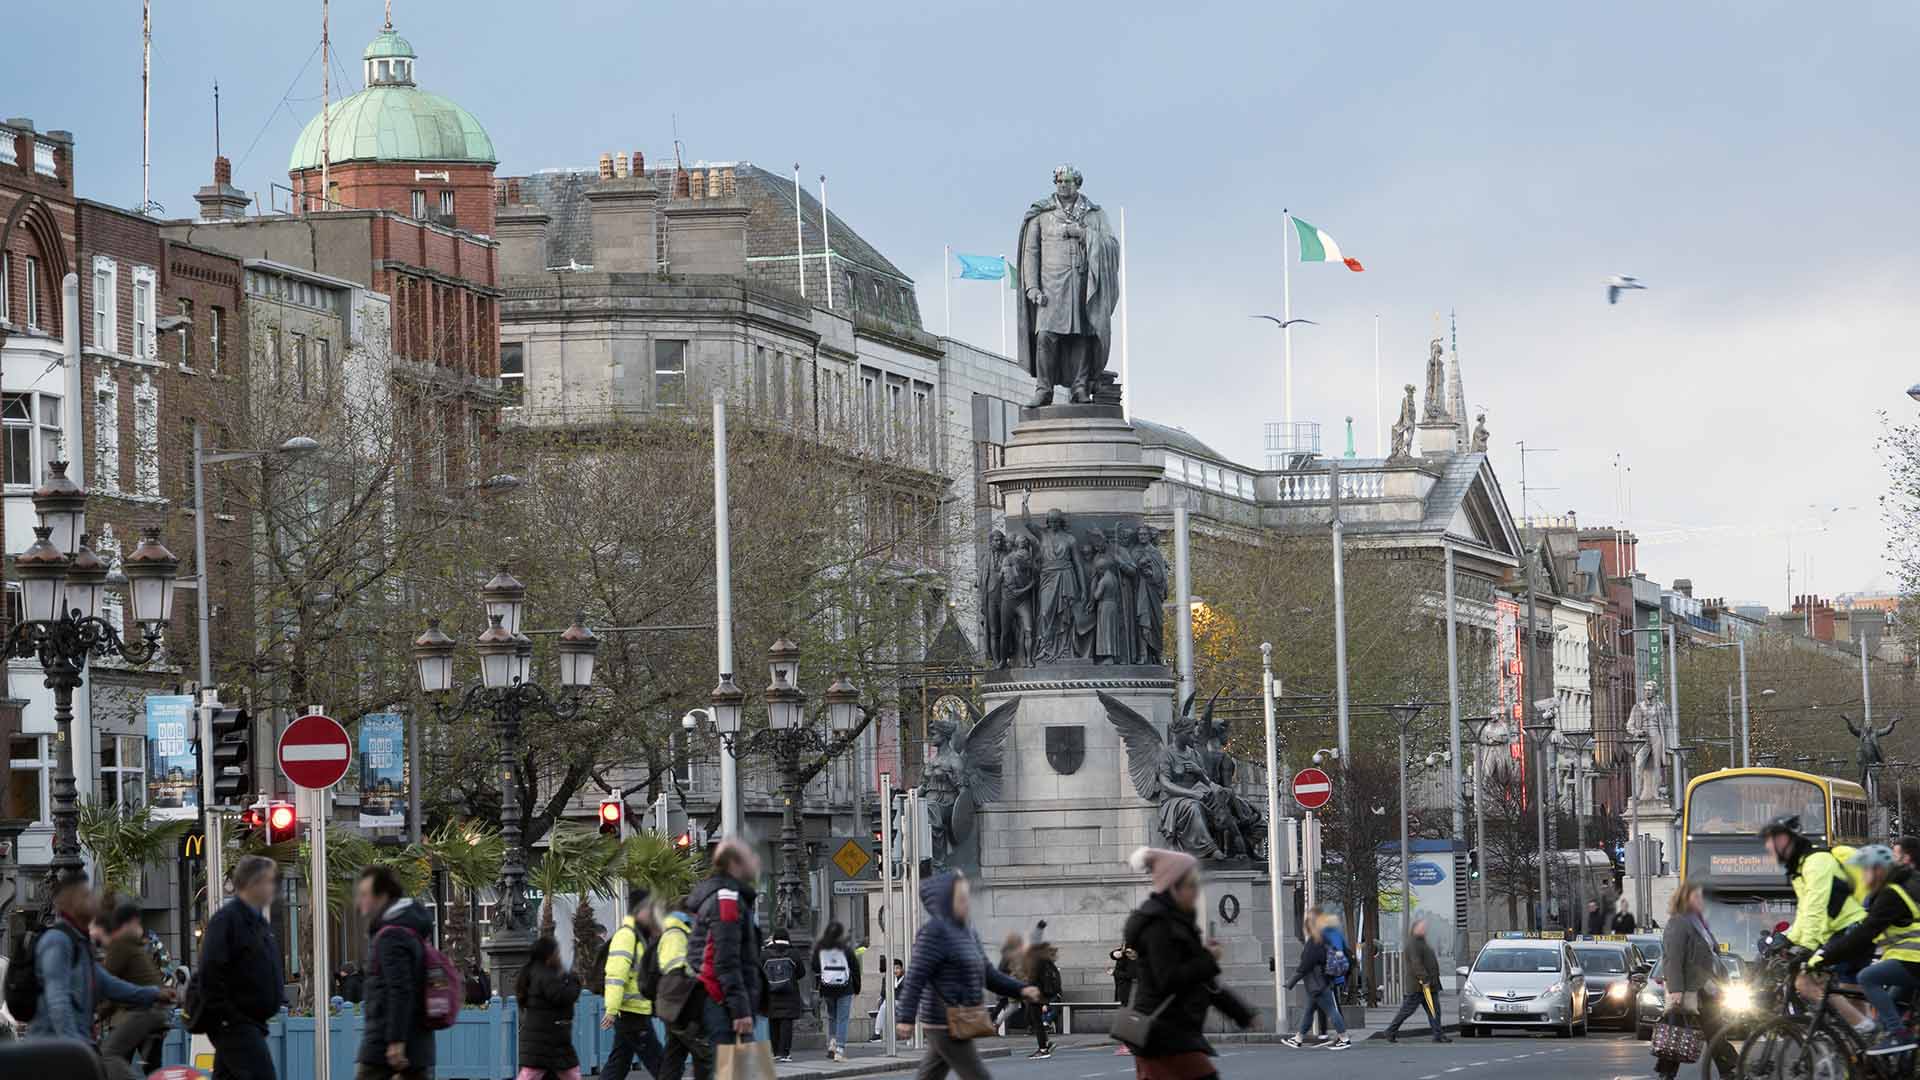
(949, 968)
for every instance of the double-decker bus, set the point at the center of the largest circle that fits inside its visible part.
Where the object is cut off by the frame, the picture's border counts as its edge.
(1746, 891)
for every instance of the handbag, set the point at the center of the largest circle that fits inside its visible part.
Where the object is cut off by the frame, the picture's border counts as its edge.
(743, 1061)
(1675, 1039)
(965, 1021)
(1133, 1027)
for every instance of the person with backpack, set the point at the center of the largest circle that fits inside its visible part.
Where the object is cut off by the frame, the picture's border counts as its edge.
(238, 985)
(674, 987)
(627, 1011)
(785, 1003)
(836, 979)
(397, 1042)
(55, 989)
(1312, 970)
(133, 1033)
(547, 991)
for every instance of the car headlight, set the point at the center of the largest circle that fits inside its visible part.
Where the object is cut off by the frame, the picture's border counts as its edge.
(1653, 997)
(1554, 989)
(1738, 998)
(1470, 990)
(1617, 991)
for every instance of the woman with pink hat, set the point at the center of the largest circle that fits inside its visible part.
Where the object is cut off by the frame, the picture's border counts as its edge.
(1177, 975)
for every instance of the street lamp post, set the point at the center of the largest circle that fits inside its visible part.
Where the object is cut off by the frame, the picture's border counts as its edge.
(1582, 758)
(787, 738)
(1746, 710)
(507, 694)
(1538, 732)
(1478, 724)
(63, 587)
(1403, 718)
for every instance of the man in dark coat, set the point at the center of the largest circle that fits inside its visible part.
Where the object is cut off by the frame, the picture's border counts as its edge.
(1596, 918)
(239, 974)
(725, 945)
(1423, 984)
(784, 969)
(397, 1042)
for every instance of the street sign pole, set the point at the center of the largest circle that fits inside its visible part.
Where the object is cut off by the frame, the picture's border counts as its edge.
(211, 848)
(887, 922)
(316, 811)
(1275, 822)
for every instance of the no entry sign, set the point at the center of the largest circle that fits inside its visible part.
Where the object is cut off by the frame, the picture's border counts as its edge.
(1311, 789)
(314, 751)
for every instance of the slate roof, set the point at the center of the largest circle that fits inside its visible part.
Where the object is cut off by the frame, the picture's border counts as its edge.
(865, 279)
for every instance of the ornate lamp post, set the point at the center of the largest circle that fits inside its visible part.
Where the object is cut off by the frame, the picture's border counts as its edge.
(1538, 731)
(788, 737)
(63, 588)
(507, 694)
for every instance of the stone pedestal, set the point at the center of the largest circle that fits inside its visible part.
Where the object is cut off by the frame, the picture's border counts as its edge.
(1439, 438)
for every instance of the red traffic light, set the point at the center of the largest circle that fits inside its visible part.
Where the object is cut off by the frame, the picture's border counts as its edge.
(684, 840)
(611, 811)
(282, 823)
(251, 818)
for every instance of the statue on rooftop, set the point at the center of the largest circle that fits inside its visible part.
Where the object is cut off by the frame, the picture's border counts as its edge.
(1403, 429)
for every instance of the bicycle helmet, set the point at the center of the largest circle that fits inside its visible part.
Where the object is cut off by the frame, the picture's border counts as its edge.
(1872, 857)
(1785, 823)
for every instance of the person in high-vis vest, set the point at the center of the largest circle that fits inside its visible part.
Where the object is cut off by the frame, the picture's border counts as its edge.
(628, 1011)
(1823, 907)
(1892, 927)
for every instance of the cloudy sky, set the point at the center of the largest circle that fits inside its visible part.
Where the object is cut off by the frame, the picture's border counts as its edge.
(1751, 161)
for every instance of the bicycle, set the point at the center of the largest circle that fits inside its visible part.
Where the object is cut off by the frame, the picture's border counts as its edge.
(1767, 995)
(1817, 1045)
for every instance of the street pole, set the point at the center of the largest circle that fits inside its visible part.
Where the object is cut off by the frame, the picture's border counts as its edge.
(1406, 854)
(1673, 702)
(888, 931)
(1540, 804)
(1183, 594)
(1462, 940)
(723, 597)
(1746, 710)
(1479, 829)
(413, 779)
(1866, 688)
(1530, 719)
(1274, 826)
(1339, 609)
(316, 810)
(210, 822)
(209, 697)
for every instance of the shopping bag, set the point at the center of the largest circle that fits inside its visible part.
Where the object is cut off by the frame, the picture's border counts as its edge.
(1676, 1040)
(743, 1061)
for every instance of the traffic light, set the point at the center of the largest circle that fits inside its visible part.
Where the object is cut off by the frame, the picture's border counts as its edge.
(611, 812)
(254, 820)
(232, 756)
(282, 822)
(683, 841)
(1473, 864)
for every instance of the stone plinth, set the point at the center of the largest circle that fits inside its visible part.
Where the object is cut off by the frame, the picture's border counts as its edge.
(1079, 459)
(1439, 438)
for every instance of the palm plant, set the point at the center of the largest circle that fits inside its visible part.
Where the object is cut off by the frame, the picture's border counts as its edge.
(578, 861)
(655, 863)
(470, 854)
(123, 840)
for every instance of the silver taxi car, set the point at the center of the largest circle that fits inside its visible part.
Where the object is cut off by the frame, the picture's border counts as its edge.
(1524, 984)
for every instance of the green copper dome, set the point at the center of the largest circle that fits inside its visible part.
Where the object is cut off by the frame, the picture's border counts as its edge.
(388, 44)
(392, 119)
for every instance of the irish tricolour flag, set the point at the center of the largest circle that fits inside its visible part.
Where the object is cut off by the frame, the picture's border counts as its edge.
(1317, 246)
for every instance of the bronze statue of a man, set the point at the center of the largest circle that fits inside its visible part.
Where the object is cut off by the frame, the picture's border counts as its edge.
(1070, 265)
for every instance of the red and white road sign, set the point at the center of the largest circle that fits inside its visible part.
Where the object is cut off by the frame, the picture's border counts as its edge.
(315, 751)
(1311, 789)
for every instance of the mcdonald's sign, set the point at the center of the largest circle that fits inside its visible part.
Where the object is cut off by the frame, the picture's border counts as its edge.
(193, 845)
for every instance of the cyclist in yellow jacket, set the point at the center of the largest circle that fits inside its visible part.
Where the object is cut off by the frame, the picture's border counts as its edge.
(1824, 906)
(628, 1012)
(1892, 926)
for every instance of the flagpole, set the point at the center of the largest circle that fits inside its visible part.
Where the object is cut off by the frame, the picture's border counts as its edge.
(946, 284)
(1002, 305)
(1286, 318)
(1126, 339)
(799, 231)
(1378, 450)
(826, 239)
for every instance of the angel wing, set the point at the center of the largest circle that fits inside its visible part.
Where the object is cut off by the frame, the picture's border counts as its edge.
(1206, 719)
(1146, 750)
(980, 749)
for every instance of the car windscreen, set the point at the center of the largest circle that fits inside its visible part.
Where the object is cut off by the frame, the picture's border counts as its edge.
(1602, 961)
(1518, 961)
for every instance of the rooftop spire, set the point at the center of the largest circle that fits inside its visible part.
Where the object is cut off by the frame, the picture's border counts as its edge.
(1456, 392)
(389, 25)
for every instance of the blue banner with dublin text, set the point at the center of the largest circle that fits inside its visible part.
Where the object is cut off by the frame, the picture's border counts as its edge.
(981, 267)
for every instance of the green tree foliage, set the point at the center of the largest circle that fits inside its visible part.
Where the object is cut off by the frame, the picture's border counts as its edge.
(123, 840)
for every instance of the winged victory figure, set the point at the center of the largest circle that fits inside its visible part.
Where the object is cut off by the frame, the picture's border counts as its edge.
(1195, 811)
(961, 774)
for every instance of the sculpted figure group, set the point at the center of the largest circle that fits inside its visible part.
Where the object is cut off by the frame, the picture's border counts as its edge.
(1055, 597)
(1190, 775)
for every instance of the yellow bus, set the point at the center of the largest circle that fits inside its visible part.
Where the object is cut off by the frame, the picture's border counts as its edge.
(1720, 848)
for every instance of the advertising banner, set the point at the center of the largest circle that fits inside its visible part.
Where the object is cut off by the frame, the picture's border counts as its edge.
(173, 770)
(383, 771)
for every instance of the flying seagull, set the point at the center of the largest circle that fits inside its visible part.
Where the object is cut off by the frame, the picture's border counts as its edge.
(1619, 283)
(1283, 323)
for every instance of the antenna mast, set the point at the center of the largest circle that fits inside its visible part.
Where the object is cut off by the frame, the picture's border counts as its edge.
(326, 95)
(216, 118)
(146, 105)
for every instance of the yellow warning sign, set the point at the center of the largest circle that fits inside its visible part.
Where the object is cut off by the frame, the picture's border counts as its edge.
(851, 858)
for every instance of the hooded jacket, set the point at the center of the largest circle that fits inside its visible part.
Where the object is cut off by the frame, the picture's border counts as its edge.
(1175, 964)
(396, 986)
(546, 1020)
(725, 946)
(949, 966)
(1822, 893)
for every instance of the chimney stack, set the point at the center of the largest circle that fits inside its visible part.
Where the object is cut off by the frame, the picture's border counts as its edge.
(606, 166)
(620, 164)
(639, 163)
(220, 200)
